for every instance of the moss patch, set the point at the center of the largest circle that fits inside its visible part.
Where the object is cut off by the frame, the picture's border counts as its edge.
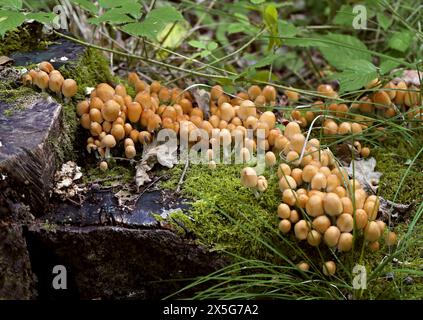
(116, 173)
(393, 161)
(26, 38)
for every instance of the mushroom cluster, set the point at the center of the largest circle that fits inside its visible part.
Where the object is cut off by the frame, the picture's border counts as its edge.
(387, 100)
(46, 77)
(113, 116)
(320, 203)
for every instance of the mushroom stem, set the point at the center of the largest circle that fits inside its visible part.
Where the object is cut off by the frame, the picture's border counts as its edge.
(67, 99)
(107, 155)
(256, 193)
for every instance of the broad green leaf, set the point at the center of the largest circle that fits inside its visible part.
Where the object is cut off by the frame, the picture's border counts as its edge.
(107, 4)
(262, 75)
(270, 17)
(11, 4)
(383, 21)
(10, 20)
(42, 17)
(257, 1)
(266, 61)
(290, 60)
(175, 34)
(197, 44)
(340, 56)
(132, 7)
(212, 46)
(287, 29)
(235, 28)
(387, 65)
(87, 5)
(113, 16)
(242, 17)
(155, 21)
(400, 40)
(344, 16)
(356, 75)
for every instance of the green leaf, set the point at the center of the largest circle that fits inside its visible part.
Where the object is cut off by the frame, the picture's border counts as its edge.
(175, 34)
(197, 44)
(87, 5)
(270, 17)
(386, 65)
(356, 75)
(339, 56)
(155, 21)
(400, 40)
(212, 46)
(257, 1)
(14, 5)
(10, 20)
(287, 29)
(344, 16)
(113, 16)
(132, 7)
(235, 28)
(383, 21)
(266, 61)
(42, 17)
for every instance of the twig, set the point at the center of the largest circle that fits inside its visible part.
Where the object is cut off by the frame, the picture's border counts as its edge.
(181, 180)
(149, 186)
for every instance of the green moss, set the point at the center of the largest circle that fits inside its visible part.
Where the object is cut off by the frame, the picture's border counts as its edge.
(25, 38)
(222, 210)
(115, 173)
(393, 161)
(90, 70)
(17, 98)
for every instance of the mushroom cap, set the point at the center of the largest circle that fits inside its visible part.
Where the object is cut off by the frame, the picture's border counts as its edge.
(108, 141)
(246, 108)
(297, 142)
(69, 88)
(110, 110)
(372, 231)
(314, 238)
(130, 152)
(104, 91)
(284, 211)
(345, 222)
(391, 238)
(227, 112)
(134, 111)
(41, 80)
(301, 230)
(268, 117)
(103, 166)
(46, 66)
(270, 159)
(287, 182)
(269, 92)
(331, 236)
(284, 226)
(332, 204)
(345, 242)
(304, 266)
(249, 177)
(314, 206)
(321, 223)
(329, 268)
(291, 128)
